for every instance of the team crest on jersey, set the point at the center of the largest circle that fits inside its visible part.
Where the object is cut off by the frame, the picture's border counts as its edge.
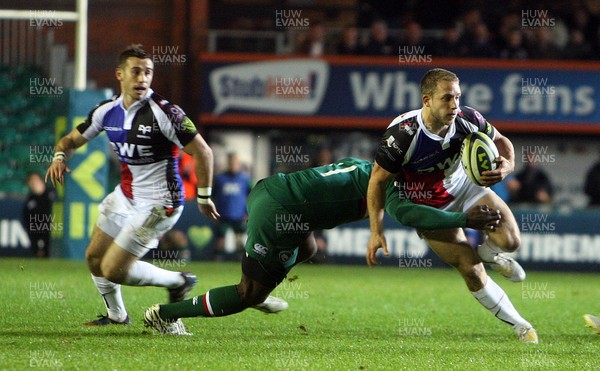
(284, 256)
(145, 128)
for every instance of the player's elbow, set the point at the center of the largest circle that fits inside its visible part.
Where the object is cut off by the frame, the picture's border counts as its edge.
(204, 152)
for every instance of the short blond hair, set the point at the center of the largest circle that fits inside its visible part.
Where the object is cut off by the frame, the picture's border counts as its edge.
(432, 77)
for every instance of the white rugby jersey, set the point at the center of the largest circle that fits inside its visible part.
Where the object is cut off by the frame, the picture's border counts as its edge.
(146, 138)
(428, 166)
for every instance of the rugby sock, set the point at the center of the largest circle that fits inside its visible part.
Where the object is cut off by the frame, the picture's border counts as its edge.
(497, 302)
(145, 274)
(488, 250)
(111, 293)
(218, 302)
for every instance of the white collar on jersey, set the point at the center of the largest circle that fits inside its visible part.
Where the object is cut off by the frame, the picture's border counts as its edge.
(445, 140)
(138, 103)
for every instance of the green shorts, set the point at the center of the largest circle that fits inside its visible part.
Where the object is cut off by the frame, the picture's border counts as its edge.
(273, 237)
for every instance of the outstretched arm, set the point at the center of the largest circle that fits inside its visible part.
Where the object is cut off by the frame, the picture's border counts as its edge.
(63, 151)
(375, 206)
(203, 166)
(427, 217)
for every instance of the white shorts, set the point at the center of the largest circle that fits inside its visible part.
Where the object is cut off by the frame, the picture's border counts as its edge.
(468, 195)
(138, 228)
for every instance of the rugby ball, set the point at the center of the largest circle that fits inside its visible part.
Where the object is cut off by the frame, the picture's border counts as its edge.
(477, 155)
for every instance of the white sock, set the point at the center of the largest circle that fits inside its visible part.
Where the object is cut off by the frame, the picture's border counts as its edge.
(146, 274)
(496, 301)
(111, 293)
(488, 250)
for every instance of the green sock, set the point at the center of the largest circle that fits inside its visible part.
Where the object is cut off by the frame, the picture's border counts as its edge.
(218, 302)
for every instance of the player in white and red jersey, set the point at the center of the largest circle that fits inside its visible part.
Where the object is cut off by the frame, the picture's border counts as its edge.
(146, 132)
(421, 149)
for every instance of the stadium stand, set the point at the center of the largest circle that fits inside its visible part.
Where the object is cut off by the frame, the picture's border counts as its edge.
(26, 128)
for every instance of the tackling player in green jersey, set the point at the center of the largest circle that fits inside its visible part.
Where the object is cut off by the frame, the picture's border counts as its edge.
(283, 210)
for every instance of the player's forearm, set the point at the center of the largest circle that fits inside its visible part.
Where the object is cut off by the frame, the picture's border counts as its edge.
(506, 150)
(203, 160)
(69, 143)
(375, 204)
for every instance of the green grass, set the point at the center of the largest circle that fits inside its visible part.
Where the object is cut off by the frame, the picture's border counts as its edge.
(340, 317)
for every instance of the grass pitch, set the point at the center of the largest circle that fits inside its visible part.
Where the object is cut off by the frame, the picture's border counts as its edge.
(340, 317)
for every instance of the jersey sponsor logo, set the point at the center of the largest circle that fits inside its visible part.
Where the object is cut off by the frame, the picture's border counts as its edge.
(447, 163)
(112, 128)
(129, 149)
(391, 142)
(188, 125)
(295, 86)
(260, 249)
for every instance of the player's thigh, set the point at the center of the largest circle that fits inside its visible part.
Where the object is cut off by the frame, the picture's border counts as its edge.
(507, 235)
(99, 244)
(450, 245)
(144, 228)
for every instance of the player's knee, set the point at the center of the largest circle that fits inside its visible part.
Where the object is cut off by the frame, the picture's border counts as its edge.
(93, 261)
(250, 294)
(513, 242)
(112, 272)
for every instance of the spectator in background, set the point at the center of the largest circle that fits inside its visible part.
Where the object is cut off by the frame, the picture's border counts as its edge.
(470, 20)
(324, 157)
(37, 215)
(479, 42)
(514, 46)
(231, 192)
(449, 46)
(542, 46)
(531, 184)
(349, 45)
(413, 35)
(312, 43)
(508, 23)
(577, 47)
(582, 20)
(380, 42)
(592, 185)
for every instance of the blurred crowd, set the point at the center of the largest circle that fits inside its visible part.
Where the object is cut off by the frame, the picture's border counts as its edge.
(570, 31)
(530, 36)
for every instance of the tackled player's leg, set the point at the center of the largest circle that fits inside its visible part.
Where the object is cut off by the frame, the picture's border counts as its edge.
(261, 274)
(503, 239)
(452, 247)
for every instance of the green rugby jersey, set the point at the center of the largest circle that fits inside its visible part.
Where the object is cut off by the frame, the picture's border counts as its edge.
(330, 195)
(325, 196)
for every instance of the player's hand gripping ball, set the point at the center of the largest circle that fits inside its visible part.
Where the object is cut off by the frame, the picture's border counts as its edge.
(477, 155)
